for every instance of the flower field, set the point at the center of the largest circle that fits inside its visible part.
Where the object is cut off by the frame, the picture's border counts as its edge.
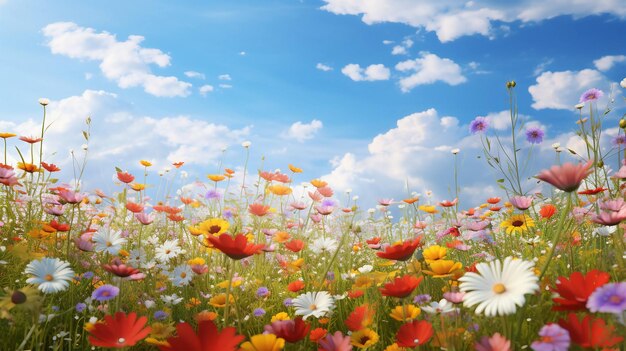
(253, 260)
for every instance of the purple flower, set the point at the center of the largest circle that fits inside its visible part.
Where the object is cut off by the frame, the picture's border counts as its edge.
(288, 302)
(421, 299)
(590, 95)
(553, 338)
(609, 298)
(619, 140)
(160, 315)
(534, 135)
(262, 292)
(105, 292)
(479, 125)
(521, 202)
(80, 307)
(258, 312)
(227, 214)
(212, 194)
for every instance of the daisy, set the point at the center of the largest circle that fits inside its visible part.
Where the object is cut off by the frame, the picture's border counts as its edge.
(50, 274)
(168, 250)
(442, 307)
(498, 287)
(181, 275)
(517, 224)
(322, 245)
(315, 304)
(108, 241)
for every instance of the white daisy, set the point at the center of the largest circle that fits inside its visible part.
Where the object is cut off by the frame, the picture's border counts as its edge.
(168, 250)
(171, 300)
(321, 245)
(181, 275)
(442, 307)
(499, 287)
(315, 304)
(107, 240)
(51, 274)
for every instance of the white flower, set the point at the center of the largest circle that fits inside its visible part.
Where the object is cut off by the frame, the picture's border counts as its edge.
(51, 274)
(246, 144)
(316, 304)
(149, 303)
(579, 106)
(499, 287)
(366, 268)
(168, 250)
(181, 275)
(321, 245)
(623, 83)
(442, 307)
(605, 230)
(171, 300)
(455, 151)
(107, 240)
(43, 101)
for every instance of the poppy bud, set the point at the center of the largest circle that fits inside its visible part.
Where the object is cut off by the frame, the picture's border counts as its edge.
(510, 84)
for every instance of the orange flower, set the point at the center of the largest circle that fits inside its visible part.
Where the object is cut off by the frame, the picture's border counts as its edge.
(258, 209)
(50, 167)
(295, 286)
(27, 167)
(317, 334)
(411, 200)
(138, 186)
(125, 177)
(236, 247)
(216, 177)
(547, 211)
(5, 135)
(145, 163)
(493, 200)
(178, 164)
(318, 183)
(295, 169)
(279, 190)
(229, 171)
(134, 207)
(295, 245)
(281, 237)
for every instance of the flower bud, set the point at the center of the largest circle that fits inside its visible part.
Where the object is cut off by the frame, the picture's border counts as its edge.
(622, 123)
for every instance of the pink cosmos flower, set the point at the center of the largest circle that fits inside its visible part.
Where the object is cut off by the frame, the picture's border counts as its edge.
(495, 343)
(521, 202)
(566, 177)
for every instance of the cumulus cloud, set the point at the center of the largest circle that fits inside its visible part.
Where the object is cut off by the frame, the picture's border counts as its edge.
(207, 88)
(402, 49)
(323, 67)
(607, 62)
(224, 77)
(561, 90)
(194, 74)
(371, 73)
(452, 19)
(303, 131)
(125, 62)
(428, 69)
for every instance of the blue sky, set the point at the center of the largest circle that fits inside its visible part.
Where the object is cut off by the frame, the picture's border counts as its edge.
(425, 70)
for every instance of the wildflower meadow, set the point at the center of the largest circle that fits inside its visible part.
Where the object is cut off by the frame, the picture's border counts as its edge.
(266, 260)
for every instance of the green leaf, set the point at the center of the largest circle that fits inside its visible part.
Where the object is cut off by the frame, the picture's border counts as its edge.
(117, 169)
(572, 152)
(501, 180)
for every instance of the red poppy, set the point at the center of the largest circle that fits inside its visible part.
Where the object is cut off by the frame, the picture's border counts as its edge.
(290, 330)
(237, 247)
(402, 251)
(361, 317)
(175, 217)
(119, 269)
(590, 332)
(574, 292)
(30, 140)
(295, 245)
(295, 286)
(401, 287)
(354, 294)
(592, 191)
(208, 338)
(448, 203)
(493, 200)
(134, 207)
(317, 334)
(547, 211)
(120, 331)
(125, 177)
(258, 209)
(61, 227)
(414, 333)
(50, 167)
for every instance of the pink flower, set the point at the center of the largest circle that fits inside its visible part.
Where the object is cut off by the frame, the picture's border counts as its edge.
(521, 202)
(613, 212)
(144, 218)
(566, 177)
(495, 343)
(70, 197)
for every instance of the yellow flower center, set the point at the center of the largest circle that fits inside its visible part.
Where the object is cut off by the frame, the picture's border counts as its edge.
(49, 277)
(312, 307)
(499, 288)
(183, 275)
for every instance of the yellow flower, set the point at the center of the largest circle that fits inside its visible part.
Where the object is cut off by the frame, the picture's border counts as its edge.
(123, 253)
(216, 177)
(28, 167)
(364, 338)
(224, 284)
(318, 183)
(443, 268)
(517, 224)
(395, 347)
(220, 300)
(192, 302)
(194, 230)
(7, 135)
(428, 209)
(280, 316)
(196, 261)
(362, 282)
(264, 342)
(401, 313)
(281, 237)
(145, 163)
(434, 253)
(296, 265)
(213, 226)
(295, 169)
(279, 190)
(138, 186)
(157, 342)
(161, 330)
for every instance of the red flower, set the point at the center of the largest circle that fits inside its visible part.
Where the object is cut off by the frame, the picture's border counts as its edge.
(295, 286)
(119, 269)
(61, 227)
(258, 209)
(590, 332)
(290, 330)
(317, 333)
(295, 245)
(134, 207)
(119, 331)
(125, 177)
(50, 167)
(493, 200)
(401, 287)
(448, 203)
(361, 317)
(592, 191)
(547, 211)
(414, 333)
(178, 164)
(402, 251)
(208, 338)
(30, 140)
(566, 177)
(237, 247)
(355, 294)
(575, 291)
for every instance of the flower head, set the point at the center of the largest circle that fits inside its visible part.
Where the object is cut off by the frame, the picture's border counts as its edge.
(575, 291)
(590, 332)
(335, 342)
(316, 304)
(566, 177)
(50, 274)
(208, 338)
(517, 224)
(236, 247)
(414, 333)
(263, 342)
(553, 338)
(401, 251)
(591, 95)
(401, 287)
(534, 135)
(105, 292)
(609, 298)
(496, 342)
(119, 331)
(479, 125)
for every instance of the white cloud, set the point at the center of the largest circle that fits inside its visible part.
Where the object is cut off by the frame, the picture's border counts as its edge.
(206, 89)
(371, 73)
(429, 69)
(224, 77)
(225, 86)
(402, 49)
(561, 90)
(541, 67)
(242, 53)
(323, 67)
(125, 62)
(387, 42)
(303, 131)
(451, 19)
(607, 62)
(194, 74)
